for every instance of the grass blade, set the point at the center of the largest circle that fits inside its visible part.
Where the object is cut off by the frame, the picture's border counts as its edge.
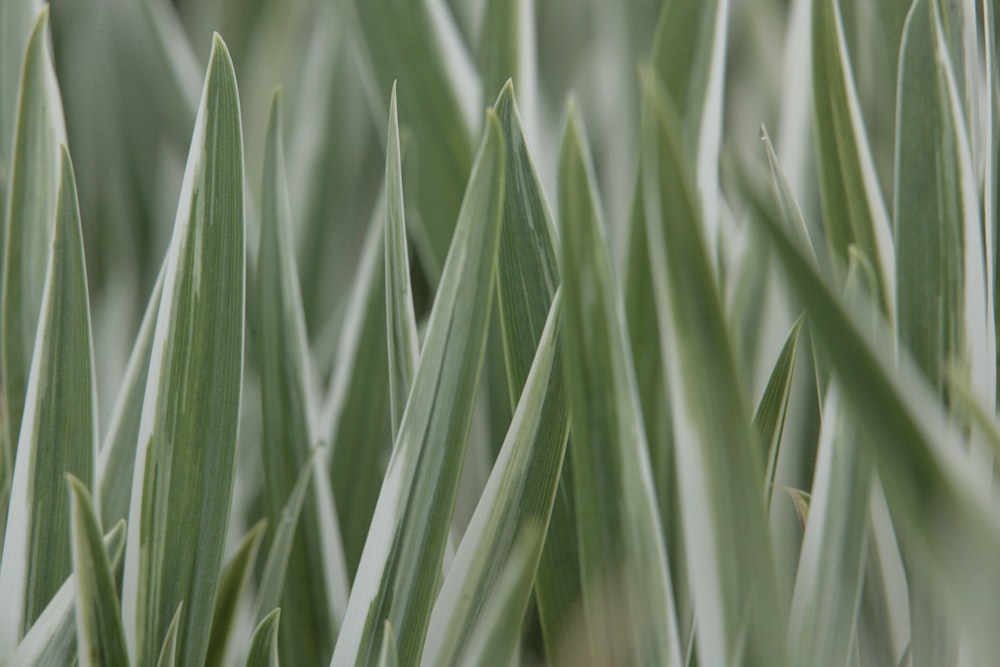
(404, 345)
(168, 653)
(233, 585)
(31, 205)
(52, 639)
(519, 494)
(99, 633)
(184, 468)
(16, 18)
(720, 480)
(769, 418)
(59, 434)
(853, 208)
(388, 657)
(264, 645)
(527, 278)
(308, 576)
(619, 534)
(397, 578)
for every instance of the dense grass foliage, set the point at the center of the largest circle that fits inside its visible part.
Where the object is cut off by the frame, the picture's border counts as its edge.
(499, 332)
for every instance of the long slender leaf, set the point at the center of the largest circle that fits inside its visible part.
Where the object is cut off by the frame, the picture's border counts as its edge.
(16, 17)
(60, 428)
(853, 208)
(621, 542)
(52, 639)
(388, 656)
(184, 468)
(168, 652)
(264, 645)
(407, 538)
(720, 479)
(309, 577)
(233, 585)
(520, 493)
(404, 345)
(31, 206)
(99, 635)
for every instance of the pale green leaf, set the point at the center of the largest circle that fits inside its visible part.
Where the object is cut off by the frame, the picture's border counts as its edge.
(853, 207)
(404, 345)
(405, 43)
(60, 428)
(398, 575)
(788, 205)
(182, 488)
(52, 639)
(620, 538)
(99, 633)
(527, 278)
(388, 657)
(729, 558)
(264, 644)
(518, 495)
(769, 418)
(308, 577)
(31, 205)
(232, 591)
(16, 17)
(168, 653)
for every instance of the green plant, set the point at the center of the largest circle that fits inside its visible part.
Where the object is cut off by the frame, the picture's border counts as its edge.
(407, 384)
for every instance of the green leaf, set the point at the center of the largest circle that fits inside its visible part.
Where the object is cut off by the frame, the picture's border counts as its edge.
(519, 494)
(500, 39)
(168, 653)
(733, 579)
(99, 632)
(388, 657)
(399, 572)
(312, 581)
(185, 463)
(404, 345)
(406, 44)
(16, 18)
(788, 205)
(769, 418)
(264, 644)
(527, 278)
(116, 461)
(52, 639)
(493, 639)
(31, 207)
(620, 538)
(232, 591)
(59, 434)
(853, 208)
(942, 515)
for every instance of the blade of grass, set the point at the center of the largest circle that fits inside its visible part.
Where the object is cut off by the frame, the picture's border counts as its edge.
(852, 204)
(52, 639)
(941, 513)
(168, 653)
(769, 418)
(182, 488)
(31, 205)
(720, 479)
(404, 345)
(520, 493)
(619, 534)
(59, 435)
(99, 633)
(264, 645)
(399, 572)
(527, 278)
(388, 657)
(232, 591)
(308, 576)
(16, 19)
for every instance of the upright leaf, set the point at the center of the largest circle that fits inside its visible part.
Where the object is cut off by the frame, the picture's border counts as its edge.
(518, 497)
(99, 633)
(168, 652)
(60, 428)
(621, 543)
(31, 206)
(184, 468)
(310, 575)
(16, 17)
(264, 644)
(388, 657)
(232, 591)
(404, 345)
(397, 578)
(853, 208)
(725, 530)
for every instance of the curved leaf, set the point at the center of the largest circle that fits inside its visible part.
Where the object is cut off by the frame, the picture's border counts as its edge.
(233, 585)
(264, 645)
